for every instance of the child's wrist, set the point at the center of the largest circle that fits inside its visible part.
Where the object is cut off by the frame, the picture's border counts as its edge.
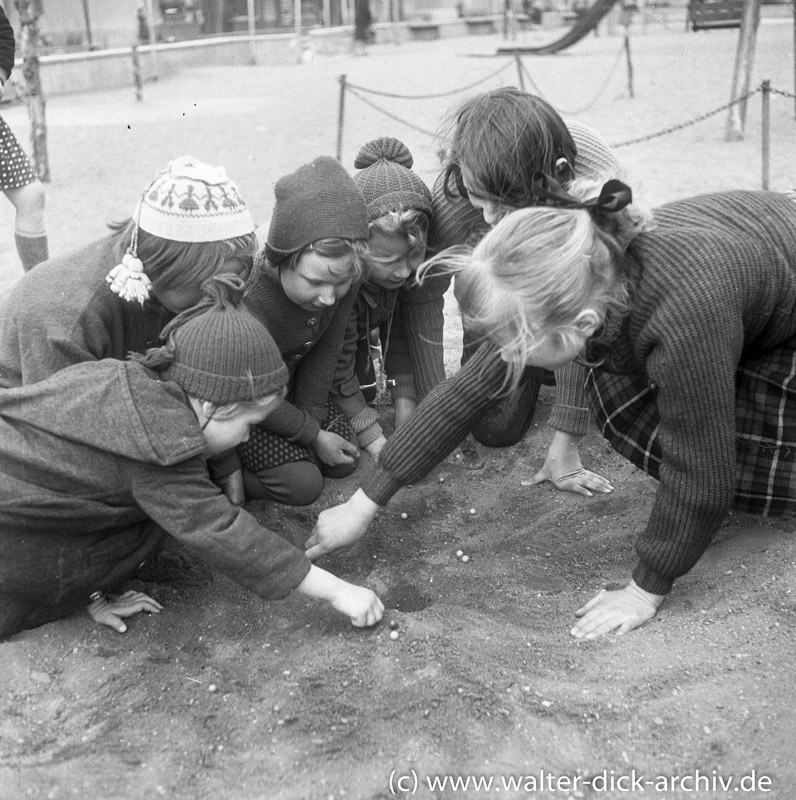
(362, 505)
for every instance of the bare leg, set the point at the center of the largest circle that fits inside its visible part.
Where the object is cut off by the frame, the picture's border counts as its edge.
(30, 231)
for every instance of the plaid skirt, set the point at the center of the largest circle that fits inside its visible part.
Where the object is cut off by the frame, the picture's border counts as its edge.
(625, 410)
(16, 170)
(266, 450)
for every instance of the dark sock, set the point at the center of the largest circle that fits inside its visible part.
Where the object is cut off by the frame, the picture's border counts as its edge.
(32, 250)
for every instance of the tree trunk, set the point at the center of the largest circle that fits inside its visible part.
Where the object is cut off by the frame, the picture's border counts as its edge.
(744, 58)
(31, 75)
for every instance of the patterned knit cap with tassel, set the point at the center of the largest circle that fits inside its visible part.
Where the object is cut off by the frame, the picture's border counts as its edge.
(318, 201)
(386, 180)
(217, 351)
(189, 201)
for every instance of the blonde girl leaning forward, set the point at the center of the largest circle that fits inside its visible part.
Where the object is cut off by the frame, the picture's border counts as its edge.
(688, 321)
(85, 498)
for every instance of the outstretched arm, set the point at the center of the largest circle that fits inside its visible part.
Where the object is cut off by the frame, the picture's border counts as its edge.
(362, 606)
(342, 526)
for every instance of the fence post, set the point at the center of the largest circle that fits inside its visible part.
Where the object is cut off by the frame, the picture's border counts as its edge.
(629, 63)
(765, 128)
(136, 73)
(519, 71)
(340, 116)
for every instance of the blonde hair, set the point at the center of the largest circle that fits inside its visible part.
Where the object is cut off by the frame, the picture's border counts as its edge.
(410, 223)
(536, 270)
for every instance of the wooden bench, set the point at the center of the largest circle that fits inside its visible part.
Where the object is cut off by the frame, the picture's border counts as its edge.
(707, 14)
(480, 25)
(424, 31)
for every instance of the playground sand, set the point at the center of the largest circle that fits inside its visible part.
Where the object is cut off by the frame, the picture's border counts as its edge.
(483, 679)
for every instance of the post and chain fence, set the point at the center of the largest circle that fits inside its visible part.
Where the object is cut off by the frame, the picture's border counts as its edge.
(765, 89)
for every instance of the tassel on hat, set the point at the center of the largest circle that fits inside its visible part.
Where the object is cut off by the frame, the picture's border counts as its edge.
(189, 201)
(386, 180)
(128, 279)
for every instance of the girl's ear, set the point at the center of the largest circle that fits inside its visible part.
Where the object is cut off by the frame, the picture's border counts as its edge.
(587, 322)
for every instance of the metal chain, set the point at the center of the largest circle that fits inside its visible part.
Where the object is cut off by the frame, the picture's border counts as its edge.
(592, 101)
(430, 96)
(690, 122)
(780, 92)
(390, 115)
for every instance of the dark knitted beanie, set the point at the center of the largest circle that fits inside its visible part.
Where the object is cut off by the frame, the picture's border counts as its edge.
(218, 351)
(318, 201)
(386, 179)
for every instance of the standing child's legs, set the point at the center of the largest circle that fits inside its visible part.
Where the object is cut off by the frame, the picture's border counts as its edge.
(29, 227)
(20, 184)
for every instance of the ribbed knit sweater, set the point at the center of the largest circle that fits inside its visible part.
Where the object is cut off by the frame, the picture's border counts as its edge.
(714, 281)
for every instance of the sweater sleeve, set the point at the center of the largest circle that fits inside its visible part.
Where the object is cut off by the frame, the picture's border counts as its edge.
(694, 368)
(438, 424)
(186, 504)
(424, 321)
(570, 413)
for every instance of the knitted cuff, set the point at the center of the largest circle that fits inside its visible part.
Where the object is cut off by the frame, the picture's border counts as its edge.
(651, 581)
(366, 426)
(571, 420)
(380, 486)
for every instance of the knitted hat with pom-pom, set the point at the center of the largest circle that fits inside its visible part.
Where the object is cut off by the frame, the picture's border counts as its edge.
(386, 180)
(217, 351)
(318, 201)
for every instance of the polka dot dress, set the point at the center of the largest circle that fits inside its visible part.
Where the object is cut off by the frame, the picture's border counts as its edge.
(266, 450)
(15, 167)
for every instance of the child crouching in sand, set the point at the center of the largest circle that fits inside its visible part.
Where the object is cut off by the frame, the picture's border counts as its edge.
(106, 458)
(686, 320)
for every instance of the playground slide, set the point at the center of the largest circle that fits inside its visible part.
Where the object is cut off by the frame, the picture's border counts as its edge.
(586, 23)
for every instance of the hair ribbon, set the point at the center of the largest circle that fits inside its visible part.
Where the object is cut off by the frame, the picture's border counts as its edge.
(614, 196)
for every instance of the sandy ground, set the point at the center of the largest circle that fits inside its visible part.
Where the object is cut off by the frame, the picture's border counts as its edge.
(222, 696)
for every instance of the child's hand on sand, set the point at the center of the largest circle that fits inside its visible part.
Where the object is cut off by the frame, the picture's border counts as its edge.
(563, 468)
(333, 450)
(620, 610)
(362, 606)
(110, 609)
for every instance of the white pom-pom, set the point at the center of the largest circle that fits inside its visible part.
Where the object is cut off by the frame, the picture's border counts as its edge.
(129, 280)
